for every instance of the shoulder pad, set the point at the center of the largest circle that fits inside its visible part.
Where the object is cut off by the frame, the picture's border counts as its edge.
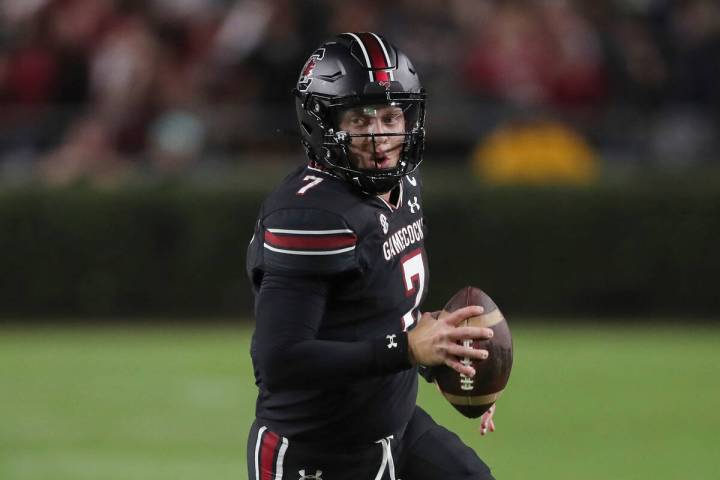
(308, 242)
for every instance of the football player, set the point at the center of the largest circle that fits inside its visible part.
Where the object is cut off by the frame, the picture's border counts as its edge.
(339, 269)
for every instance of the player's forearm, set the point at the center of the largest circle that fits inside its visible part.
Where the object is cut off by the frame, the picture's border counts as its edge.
(288, 353)
(326, 363)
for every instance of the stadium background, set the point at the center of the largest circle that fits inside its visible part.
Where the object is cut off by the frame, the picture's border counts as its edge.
(571, 172)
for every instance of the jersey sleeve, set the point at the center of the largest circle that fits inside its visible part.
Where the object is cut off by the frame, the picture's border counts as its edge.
(288, 353)
(306, 242)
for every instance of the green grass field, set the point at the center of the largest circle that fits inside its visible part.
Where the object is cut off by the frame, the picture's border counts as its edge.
(596, 402)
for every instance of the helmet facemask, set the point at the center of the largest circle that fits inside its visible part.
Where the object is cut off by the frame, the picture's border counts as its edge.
(373, 143)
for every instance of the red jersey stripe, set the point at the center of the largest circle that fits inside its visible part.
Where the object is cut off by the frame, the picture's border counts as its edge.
(320, 242)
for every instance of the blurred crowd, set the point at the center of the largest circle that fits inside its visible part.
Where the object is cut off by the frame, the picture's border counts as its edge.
(102, 87)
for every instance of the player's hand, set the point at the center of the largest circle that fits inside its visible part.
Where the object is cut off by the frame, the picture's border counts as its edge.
(434, 341)
(486, 421)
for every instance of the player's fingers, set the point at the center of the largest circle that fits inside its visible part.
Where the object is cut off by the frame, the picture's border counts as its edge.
(487, 423)
(460, 368)
(461, 351)
(464, 313)
(486, 417)
(489, 427)
(461, 333)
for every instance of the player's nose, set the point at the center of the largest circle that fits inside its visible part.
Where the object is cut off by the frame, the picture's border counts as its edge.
(377, 127)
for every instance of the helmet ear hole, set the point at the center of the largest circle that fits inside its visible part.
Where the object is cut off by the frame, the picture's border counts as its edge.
(316, 107)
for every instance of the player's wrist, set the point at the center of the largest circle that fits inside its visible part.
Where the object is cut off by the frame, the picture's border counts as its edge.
(412, 356)
(416, 338)
(391, 352)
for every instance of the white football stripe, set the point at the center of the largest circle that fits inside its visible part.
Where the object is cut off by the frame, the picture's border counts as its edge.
(281, 456)
(365, 54)
(309, 232)
(257, 452)
(304, 252)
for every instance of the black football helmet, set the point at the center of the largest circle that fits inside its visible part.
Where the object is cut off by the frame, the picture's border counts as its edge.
(354, 70)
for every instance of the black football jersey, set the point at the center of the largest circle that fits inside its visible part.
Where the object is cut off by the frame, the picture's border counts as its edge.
(317, 226)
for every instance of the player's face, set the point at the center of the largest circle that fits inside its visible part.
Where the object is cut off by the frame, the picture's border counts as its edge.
(384, 151)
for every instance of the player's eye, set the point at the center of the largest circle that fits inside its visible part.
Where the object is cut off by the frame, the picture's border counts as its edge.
(392, 118)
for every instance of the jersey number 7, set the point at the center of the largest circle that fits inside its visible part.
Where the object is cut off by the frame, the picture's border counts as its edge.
(313, 182)
(413, 268)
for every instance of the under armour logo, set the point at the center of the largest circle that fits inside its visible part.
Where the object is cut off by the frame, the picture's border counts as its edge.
(313, 476)
(413, 204)
(412, 180)
(384, 223)
(391, 341)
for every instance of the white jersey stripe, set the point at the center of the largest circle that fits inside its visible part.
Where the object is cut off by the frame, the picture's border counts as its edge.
(387, 57)
(365, 54)
(305, 252)
(281, 457)
(257, 452)
(309, 232)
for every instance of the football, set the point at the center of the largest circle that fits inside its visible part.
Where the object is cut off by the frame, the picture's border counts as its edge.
(474, 396)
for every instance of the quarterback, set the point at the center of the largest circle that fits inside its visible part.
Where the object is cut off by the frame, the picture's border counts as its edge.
(339, 269)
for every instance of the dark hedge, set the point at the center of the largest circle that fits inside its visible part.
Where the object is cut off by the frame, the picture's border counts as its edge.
(179, 251)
